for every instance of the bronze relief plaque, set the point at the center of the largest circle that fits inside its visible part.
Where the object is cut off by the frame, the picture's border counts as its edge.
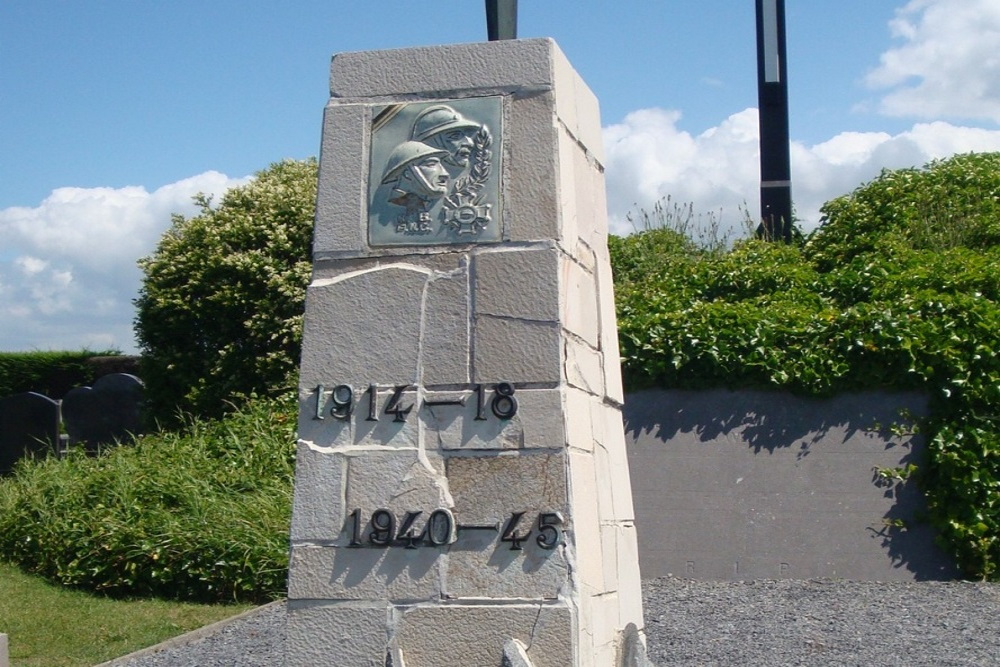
(434, 175)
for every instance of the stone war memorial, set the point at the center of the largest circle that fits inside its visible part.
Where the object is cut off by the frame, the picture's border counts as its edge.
(462, 493)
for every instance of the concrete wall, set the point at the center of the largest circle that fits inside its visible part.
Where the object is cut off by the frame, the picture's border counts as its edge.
(750, 484)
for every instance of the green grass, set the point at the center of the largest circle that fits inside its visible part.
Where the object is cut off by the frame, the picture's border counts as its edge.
(51, 626)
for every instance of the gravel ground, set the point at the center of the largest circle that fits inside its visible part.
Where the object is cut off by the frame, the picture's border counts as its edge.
(819, 622)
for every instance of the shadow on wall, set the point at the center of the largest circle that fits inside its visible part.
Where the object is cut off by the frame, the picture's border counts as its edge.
(752, 484)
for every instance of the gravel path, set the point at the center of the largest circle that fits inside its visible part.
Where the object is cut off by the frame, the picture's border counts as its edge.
(820, 622)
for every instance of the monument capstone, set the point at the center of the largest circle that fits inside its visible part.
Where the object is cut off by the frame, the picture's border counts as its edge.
(462, 494)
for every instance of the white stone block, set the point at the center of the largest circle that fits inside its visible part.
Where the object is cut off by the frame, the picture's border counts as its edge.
(584, 367)
(610, 535)
(586, 523)
(586, 173)
(577, 106)
(577, 416)
(609, 333)
(629, 580)
(621, 482)
(568, 215)
(580, 313)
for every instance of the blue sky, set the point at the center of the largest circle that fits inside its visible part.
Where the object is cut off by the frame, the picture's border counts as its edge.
(114, 112)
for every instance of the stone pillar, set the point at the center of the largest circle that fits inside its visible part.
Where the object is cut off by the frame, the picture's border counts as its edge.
(462, 495)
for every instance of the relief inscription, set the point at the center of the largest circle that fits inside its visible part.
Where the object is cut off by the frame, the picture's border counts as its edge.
(434, 173)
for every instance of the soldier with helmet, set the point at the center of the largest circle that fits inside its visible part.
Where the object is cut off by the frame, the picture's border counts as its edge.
(442, 127)
(418, 178)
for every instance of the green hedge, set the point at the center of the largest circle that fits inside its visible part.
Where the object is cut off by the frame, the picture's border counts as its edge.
(48, 373)
(898, 288)
(201, 514)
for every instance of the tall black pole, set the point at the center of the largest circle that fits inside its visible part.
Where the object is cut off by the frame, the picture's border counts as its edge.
(772, 97)
(501, 19)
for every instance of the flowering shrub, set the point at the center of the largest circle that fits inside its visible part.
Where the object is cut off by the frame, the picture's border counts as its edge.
(220, 309)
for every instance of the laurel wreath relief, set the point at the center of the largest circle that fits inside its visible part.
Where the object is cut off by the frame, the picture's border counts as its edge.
(468, 188)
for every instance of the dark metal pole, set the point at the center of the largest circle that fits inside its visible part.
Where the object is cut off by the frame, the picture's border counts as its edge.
(501, 19)
(772, 97)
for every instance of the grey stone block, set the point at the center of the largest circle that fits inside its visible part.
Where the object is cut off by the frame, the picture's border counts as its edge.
(346, 314)
(341, 208)
(399, 481)
(464, 635)
(365, 573)
(336, 634)
(519, 283)
(531, 197)
(537, 424)
(481, 566)
(330, 434)
(516, 351)
(445, 342)
(318, 508)
(451, 69)
(487, 489)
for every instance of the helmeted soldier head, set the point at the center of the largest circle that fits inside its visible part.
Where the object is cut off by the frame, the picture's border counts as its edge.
(416, 168)
(443, 127)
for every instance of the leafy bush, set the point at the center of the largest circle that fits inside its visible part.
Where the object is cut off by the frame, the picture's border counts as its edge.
(48, 373)
(221, 303)
(898, 288)
(201, 514)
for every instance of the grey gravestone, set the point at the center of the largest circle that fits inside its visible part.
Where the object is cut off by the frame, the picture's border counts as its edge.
(108, 412)
(29, 425)
(462, 492)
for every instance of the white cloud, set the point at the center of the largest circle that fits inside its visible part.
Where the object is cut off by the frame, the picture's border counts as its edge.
(68, 271)
(648, 157)
(948, 64)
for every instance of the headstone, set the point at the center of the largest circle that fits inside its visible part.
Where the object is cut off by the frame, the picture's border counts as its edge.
(462, 493)
(108, 412)
(29, 426)
(4, 654)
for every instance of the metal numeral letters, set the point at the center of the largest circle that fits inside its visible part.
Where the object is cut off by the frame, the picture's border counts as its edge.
(441, 530)
(502, 403)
